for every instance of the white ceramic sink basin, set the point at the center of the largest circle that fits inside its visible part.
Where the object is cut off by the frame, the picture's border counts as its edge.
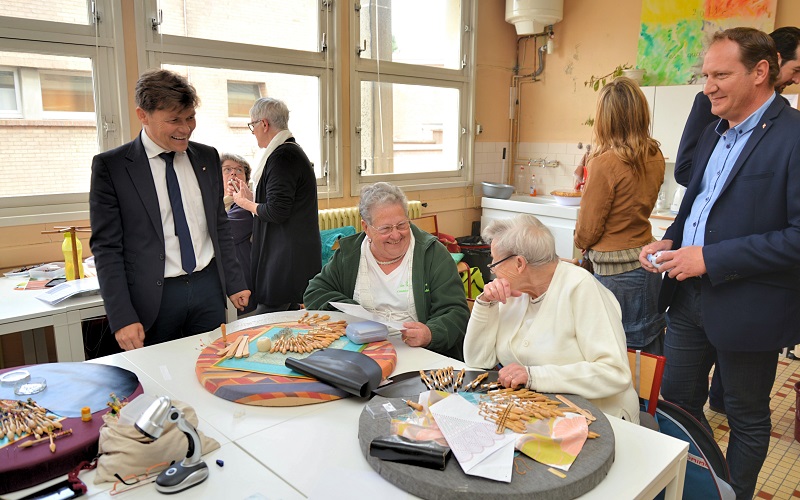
(539, 200)
(536, 205)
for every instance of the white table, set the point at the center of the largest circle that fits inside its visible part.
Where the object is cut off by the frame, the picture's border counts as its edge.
(20, 310)
(313, 450)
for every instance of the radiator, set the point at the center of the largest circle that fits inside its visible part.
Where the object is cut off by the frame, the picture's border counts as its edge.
(331, 218)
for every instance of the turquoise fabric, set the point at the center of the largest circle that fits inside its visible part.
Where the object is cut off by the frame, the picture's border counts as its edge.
(329, 237)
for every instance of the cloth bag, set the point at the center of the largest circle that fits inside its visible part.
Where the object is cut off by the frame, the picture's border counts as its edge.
(475, 285)
(125, 451)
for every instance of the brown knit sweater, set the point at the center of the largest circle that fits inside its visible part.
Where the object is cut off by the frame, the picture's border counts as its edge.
(616, 204)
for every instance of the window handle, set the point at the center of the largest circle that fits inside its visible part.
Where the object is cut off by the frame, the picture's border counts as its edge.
(360, 50)
(155, 22)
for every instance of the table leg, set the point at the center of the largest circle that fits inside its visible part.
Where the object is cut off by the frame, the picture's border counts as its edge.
(61, 329)
(674, 489)
(75, 335)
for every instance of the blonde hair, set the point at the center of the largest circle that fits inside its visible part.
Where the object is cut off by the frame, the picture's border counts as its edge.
(622, 123)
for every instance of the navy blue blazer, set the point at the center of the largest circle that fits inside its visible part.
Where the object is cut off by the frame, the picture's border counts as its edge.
(751, 292)
(128, 238)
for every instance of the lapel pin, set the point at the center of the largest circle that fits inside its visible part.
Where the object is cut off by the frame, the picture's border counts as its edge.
(763, 125)
(204, 169)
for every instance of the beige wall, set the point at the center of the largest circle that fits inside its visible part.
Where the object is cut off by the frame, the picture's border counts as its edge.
(552, 110)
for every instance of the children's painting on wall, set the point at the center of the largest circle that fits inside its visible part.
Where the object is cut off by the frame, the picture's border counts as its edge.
(675, 34)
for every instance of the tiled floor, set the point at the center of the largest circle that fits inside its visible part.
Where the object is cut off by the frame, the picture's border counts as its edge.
(780, 475)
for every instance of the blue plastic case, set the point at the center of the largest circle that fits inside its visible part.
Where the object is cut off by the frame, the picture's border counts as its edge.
(365, 332)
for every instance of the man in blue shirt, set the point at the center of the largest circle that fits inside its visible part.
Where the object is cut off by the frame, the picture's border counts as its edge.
(787, 42)
(733, 284)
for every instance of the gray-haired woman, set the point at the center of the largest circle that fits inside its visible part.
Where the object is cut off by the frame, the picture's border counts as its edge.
(552, 325)
(398, 271)
(235, 178)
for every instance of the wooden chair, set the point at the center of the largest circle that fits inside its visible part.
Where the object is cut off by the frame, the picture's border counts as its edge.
(428, 223)
(647, 371)
(462, 267)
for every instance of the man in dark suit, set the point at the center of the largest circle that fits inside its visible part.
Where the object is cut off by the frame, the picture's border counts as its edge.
(733, 284)
(163, 249)
(787, 41)
(287, 251)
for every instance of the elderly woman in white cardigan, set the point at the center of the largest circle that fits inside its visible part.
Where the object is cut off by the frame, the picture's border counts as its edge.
(552, 325)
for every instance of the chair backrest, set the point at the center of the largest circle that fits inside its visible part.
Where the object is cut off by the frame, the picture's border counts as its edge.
(428, 223)
(646, 372)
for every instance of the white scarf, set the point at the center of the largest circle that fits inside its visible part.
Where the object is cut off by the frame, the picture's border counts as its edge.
(276, 141)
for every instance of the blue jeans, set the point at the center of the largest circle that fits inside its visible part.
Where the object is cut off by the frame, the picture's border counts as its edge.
(747, 377)
(637, 294)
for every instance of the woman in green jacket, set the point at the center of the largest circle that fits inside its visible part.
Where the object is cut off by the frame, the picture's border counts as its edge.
(397, 271)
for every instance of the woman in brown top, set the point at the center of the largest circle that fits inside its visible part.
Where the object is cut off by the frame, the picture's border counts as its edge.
(625, 172)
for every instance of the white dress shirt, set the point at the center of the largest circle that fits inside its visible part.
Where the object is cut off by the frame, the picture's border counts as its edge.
(192, 204)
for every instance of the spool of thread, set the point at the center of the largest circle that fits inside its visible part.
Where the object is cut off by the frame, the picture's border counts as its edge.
(86, 414)
(264, 344)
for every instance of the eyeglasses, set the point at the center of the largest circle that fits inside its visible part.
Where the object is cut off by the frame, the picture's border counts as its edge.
(491, 266)
(233, 170)
(387, 229)
(132, 481)
(252, 125)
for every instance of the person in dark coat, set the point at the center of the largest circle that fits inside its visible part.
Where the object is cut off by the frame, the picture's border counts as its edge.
(286, 250)
(160, 236)
(236, 177)
(732, 284)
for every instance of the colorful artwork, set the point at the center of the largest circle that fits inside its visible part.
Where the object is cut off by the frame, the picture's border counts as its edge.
(675, 34)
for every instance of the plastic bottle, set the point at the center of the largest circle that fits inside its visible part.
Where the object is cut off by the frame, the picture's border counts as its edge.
(66, 247)
(521, 181)
(533, 185)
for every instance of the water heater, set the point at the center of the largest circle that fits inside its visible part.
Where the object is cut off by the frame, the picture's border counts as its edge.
(531, 16)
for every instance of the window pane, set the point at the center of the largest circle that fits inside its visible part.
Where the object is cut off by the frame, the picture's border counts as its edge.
(57, 152)
(274, 23)
(231, 135)
(425, 32)
(67, 91)
(408, 128)
(61, 11)
(241, 97)
(8, 91)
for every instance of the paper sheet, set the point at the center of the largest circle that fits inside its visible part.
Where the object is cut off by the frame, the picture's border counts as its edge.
(359, 311)
(68, 289)
(478, 448)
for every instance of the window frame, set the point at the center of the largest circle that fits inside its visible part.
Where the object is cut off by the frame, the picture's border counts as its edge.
(257, 85)
(156, 49)
(372, 70)
(102, 44)
(13, 114)
(64, 115)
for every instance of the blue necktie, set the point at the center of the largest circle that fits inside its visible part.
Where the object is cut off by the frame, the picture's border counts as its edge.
(188, 261)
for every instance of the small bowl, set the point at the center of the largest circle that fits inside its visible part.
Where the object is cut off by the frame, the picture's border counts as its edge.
(496, 190)
(567, 201)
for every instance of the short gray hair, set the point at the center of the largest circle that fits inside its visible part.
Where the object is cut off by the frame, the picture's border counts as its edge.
(380, 193)
(523, 235)
(273, 110)
(239, 161)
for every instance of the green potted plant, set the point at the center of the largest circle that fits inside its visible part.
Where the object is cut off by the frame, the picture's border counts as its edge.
(596, 82)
